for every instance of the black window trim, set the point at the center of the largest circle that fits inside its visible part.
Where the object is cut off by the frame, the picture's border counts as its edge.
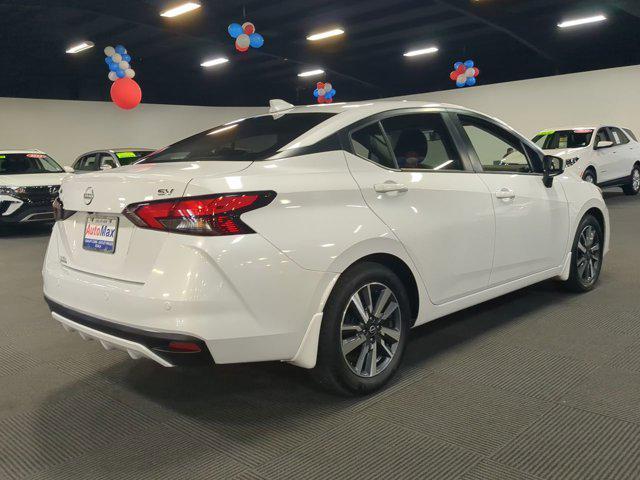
(524, 142)
(345, 137)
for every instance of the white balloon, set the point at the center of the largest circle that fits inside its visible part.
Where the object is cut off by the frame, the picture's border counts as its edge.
(327, 87)
(109, 51)
(113, 76)
(123, 65)
(470, 72)
(322, 91)
(116, 57)
(243, 41)
(130, 73)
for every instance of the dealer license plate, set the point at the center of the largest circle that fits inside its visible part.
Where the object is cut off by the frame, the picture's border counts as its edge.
(100, 233)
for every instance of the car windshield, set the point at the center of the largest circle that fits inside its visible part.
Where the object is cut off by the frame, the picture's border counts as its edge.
(556, 139)
(131, 156)
(23, 163)
(255, 138)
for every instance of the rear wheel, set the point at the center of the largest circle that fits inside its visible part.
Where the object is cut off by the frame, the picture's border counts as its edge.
(589, 176)
(633, 187)
(364, 330)
(586, 255)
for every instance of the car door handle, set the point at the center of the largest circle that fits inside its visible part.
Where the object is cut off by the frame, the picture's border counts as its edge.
(390, 187)
(505, 194)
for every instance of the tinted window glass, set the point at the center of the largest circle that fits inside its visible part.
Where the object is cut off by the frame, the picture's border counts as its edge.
(603, 136)
(631, 134)
(131, 156)
(19, 163)
(255, 138)
(618, 136)
(497, 149)
(107, 160)
(370, 143)
(422, 141)
(88, 162)
(557, 139)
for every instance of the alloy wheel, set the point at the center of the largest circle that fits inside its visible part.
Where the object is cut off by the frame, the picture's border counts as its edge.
(635, 180)
(589, 254)
(589, 178)
(370, 329)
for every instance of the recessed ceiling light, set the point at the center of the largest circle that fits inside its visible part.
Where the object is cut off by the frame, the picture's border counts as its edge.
(322, 35)
(179, 10)
(310, 73)
(86, 45)
(214, 61)
(582, 21)
(422, 51)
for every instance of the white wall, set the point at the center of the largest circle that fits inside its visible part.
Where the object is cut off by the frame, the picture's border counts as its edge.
(66, 129)
(603, 96)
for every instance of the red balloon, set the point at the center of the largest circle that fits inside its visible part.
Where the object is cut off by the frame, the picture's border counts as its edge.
(126, 93)
(454, 76)
(477, 71)
(248, 28)
(461, 69)
(319, 85)
(240, 49)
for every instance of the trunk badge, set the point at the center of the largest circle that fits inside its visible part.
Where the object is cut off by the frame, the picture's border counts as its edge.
(88, 196)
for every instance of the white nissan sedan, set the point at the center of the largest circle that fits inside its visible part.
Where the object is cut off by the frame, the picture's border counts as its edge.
(316, 235)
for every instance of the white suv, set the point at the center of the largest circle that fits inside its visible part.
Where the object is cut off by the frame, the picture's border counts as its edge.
(316, 235)
(606, 156)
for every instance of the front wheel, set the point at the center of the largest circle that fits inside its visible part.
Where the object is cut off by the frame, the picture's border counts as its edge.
(589, 177)
(364, 330)
(586, 255)
(633, 187)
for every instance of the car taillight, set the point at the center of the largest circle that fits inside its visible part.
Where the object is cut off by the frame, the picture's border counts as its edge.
(211, 215)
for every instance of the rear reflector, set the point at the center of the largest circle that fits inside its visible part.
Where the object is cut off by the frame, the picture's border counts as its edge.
(187, 347)
(211, 215)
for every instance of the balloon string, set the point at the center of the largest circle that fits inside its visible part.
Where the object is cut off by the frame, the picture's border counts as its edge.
(244, 12)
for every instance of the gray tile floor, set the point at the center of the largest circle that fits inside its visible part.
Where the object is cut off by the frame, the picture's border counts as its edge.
(540, 384)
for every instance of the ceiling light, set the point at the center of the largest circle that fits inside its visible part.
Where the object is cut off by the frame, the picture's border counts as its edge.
(179, 10)
(422, 51)
(214, 61)
(86, 45)
(582, 21)
(310, 73)
(322, 35)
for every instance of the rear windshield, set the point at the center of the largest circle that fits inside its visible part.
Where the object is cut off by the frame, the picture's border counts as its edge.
(255, 138)
(18, 163)
(131, 156)
(555, 139)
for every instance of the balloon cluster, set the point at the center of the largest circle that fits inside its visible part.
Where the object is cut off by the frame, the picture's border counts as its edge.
(245, 35)
(117, 59)
(465, 74)
(324, 92)
(125, 91)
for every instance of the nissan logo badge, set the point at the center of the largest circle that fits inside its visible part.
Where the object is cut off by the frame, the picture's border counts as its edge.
(88, 196)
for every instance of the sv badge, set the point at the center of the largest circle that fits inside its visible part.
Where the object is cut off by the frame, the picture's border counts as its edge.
(162, 192)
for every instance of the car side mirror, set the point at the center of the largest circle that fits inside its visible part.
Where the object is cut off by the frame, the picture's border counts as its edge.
(604, 144)
(68, 169)
(553, 166)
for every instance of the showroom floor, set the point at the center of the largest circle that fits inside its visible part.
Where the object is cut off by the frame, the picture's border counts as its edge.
(538, 384)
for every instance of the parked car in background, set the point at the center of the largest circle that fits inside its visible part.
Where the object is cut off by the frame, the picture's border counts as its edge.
(110, 158)
(316, 235)
(607, 156)
(29, 182)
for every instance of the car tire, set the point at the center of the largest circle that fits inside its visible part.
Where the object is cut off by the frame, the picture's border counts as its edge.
(590, 176)
(586, 256)
(633, 188)
(356, 328)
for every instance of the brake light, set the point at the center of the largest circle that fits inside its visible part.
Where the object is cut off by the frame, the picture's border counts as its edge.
(210, 215)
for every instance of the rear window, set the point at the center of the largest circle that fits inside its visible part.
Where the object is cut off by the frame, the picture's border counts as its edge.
(555, 139)
(631, 134)
(23, 163)
(255, 138)
(131, 156)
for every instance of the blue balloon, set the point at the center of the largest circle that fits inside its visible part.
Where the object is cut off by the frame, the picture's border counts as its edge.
(126, 57)
(461, 82)
(333, 92)
(456, 65)
(120, 73)
(120, 49)
(469, 64)
(114, 67)
(235, 30)
(315, 93)
(256, 40)
(108, 60)
(471, 81)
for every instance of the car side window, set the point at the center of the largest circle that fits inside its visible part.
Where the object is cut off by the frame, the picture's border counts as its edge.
(631, 134)
(618, 136)
(603, 136)
(88, 162)
(370, 142)
(497, 149)
(107, 160)
(422, 141)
